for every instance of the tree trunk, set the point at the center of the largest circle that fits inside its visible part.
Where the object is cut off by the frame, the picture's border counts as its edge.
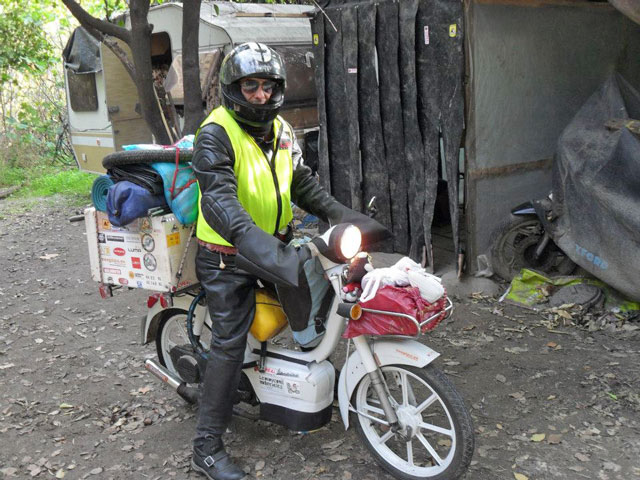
(141, 53)
(193, 111)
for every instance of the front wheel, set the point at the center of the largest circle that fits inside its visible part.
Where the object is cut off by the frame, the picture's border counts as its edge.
(435, 439)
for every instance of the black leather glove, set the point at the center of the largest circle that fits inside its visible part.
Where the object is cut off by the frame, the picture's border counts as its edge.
(268, 258)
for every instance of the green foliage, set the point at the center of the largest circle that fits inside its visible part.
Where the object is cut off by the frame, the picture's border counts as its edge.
(41, 181)
(23, 43)
(66, 182)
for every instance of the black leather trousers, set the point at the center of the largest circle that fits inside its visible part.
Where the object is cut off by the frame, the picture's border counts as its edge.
(231, 302)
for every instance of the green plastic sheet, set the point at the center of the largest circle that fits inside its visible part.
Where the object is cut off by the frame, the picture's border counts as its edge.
(531, 289)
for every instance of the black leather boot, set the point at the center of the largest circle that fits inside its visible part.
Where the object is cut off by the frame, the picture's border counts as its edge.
(213, 461)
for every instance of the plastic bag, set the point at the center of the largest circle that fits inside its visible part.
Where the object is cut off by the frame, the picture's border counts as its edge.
(180, 190)
(404, 273)
(405, 300)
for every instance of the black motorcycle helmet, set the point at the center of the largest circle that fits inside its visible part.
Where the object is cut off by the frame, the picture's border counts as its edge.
(252, 60)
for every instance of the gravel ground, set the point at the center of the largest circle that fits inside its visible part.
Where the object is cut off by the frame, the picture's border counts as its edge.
(548, 399)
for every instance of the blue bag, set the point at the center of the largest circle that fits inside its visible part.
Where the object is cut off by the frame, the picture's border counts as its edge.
(127, 201)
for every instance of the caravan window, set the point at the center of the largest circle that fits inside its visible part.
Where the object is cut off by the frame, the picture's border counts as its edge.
(83, 95)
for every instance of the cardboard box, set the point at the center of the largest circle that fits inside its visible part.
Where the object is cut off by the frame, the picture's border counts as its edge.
(154, 253)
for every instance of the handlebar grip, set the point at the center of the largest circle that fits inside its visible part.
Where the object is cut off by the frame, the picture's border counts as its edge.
(76, 218)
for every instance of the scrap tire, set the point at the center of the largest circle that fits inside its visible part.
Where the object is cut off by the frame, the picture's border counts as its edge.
(130, 157)
(515, 244)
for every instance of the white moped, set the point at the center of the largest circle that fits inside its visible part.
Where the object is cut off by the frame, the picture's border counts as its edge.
(406, 411)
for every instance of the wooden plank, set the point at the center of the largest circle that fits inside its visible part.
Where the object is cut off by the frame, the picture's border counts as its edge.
(507, 170)
(274, 14)
(555, 3)
(392, 124)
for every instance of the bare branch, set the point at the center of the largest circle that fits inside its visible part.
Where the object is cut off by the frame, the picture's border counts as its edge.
(88, 21)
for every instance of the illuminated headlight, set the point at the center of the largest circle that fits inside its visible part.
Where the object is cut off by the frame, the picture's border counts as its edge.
(350, 242)
(340, 243)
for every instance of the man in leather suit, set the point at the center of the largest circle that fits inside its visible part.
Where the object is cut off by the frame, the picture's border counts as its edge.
(249, 168)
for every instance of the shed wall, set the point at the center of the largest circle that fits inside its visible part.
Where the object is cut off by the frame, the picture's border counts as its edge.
(530, 69)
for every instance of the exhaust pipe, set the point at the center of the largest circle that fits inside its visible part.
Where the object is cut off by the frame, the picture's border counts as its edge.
(190, 394)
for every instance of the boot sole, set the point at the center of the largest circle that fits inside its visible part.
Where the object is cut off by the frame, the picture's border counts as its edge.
(195, 467)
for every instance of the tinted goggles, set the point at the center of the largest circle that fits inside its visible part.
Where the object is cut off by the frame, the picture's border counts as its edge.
(251, 86)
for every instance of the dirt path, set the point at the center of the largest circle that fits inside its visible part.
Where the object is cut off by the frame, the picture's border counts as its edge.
(76, 402)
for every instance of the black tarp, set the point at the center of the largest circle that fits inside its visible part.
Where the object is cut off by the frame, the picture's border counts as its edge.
(391, 92)
(387, 38)
(337, 127)
(596, 188)
(440, 70)
(82, 52)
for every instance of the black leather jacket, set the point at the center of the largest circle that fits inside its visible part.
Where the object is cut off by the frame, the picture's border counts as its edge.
(258, 252)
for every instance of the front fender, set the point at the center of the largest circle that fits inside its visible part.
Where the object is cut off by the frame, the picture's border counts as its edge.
(388, 351)
(149, 322)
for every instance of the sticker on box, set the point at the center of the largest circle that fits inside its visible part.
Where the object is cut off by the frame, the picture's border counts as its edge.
(173, 239)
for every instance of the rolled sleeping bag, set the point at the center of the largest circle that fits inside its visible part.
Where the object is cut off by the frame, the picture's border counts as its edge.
(127, 201)
(140, 174)
(99, 191)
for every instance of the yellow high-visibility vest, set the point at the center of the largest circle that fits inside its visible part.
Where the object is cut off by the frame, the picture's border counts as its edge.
(264, 187)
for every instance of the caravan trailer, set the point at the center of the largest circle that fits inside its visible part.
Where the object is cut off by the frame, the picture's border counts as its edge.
(102, 100)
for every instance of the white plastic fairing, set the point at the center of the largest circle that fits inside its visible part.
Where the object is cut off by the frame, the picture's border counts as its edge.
(305, 388)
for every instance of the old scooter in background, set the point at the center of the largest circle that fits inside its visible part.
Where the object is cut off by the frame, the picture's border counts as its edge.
(522, 242)
(591, 218)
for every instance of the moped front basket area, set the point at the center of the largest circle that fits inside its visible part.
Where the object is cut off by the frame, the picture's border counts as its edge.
(447, 310)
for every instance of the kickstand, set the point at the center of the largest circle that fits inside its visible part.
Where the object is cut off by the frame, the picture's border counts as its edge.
(263, 356)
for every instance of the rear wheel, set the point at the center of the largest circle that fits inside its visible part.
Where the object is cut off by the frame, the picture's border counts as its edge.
(436, 436)
(515, 247)
(172, 331)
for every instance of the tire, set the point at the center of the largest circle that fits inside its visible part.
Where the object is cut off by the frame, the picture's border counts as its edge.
(515, 247)
(130, 157)
(440, 449)
(172, 331)
(566, 266)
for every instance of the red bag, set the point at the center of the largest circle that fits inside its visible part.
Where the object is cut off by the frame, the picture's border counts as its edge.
(399, 300)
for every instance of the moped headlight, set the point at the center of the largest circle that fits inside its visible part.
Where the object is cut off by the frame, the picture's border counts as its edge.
(340, 243)
(350, 242)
